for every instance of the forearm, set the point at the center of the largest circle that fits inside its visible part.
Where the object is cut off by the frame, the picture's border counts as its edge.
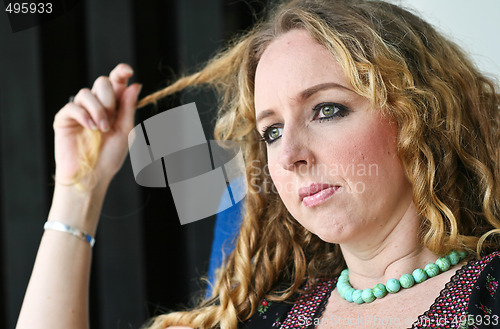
(57, 294)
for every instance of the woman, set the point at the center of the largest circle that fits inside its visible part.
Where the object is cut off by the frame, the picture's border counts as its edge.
(371, 144)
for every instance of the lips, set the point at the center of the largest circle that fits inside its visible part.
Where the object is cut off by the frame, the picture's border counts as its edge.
(315, 194)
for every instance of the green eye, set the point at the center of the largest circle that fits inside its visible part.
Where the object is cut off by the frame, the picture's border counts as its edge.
(271, 134)
(274, 133)
(327, 111)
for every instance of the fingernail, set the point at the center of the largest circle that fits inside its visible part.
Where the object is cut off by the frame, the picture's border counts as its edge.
(92, 124)
(128, 70)
(104, 125)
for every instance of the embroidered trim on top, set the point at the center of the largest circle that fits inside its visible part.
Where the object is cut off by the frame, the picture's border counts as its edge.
(452, 302)
(312, 303)
(450, 308)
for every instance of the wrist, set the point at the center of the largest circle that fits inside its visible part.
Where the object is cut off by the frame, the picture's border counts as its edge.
(78, 207)
(61, 227)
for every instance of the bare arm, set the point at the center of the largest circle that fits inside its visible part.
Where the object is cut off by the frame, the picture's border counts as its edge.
(57, 294)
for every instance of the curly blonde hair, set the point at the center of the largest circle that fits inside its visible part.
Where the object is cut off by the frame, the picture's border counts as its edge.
(448, 141)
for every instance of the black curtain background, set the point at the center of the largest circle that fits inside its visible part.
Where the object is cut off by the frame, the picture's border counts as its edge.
(144, 262)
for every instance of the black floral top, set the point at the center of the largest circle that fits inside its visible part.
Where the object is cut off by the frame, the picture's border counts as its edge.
(470, 300)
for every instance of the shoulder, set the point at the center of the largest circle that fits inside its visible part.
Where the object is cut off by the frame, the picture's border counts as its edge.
(476, 266)
(489, 267)
(485, 296)
(488, 263)
(494, 256)
(268, 314)
(472, 291)
(293, 312)
(473, 279)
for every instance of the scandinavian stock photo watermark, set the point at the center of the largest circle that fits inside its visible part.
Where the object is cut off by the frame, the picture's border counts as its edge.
(170, 149)
(352, 174)
(377, 321)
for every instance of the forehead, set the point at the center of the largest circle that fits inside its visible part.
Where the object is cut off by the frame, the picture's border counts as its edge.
(292, 63)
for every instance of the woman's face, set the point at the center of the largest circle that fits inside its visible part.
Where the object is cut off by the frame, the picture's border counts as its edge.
(331, 156)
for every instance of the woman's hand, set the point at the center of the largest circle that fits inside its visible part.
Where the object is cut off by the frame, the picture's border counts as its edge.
(60, 279)
(109, 107)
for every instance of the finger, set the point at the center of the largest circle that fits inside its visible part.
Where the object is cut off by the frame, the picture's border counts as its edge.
(126, 110)
(119, 78)
(72, 115)
(104, 92)
(86, 99)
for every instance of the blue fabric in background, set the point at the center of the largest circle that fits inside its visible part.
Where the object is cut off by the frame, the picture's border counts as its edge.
(227, 227)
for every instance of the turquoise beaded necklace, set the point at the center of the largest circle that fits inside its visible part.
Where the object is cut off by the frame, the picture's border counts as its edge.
(392, 286)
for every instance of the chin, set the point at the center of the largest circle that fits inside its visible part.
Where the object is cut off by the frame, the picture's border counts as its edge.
(330, 238)
(330, 232)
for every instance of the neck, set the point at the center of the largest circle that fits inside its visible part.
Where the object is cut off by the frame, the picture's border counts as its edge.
(388, 254)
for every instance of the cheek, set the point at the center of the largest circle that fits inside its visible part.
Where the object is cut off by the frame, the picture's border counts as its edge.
(374, 158)
(283, 180)
(383, 141)
(364, 157)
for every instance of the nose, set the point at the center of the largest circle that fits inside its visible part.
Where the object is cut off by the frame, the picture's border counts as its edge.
(295, 151)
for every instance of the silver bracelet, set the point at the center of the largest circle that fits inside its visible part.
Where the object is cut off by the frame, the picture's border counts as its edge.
(61, 227)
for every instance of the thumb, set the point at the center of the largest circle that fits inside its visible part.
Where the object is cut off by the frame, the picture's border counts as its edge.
(126, 110)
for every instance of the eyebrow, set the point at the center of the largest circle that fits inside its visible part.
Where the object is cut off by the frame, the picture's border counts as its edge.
(322, 86)
(304, 95)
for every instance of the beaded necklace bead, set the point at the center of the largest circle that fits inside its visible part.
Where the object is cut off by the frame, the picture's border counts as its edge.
(406, 281)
